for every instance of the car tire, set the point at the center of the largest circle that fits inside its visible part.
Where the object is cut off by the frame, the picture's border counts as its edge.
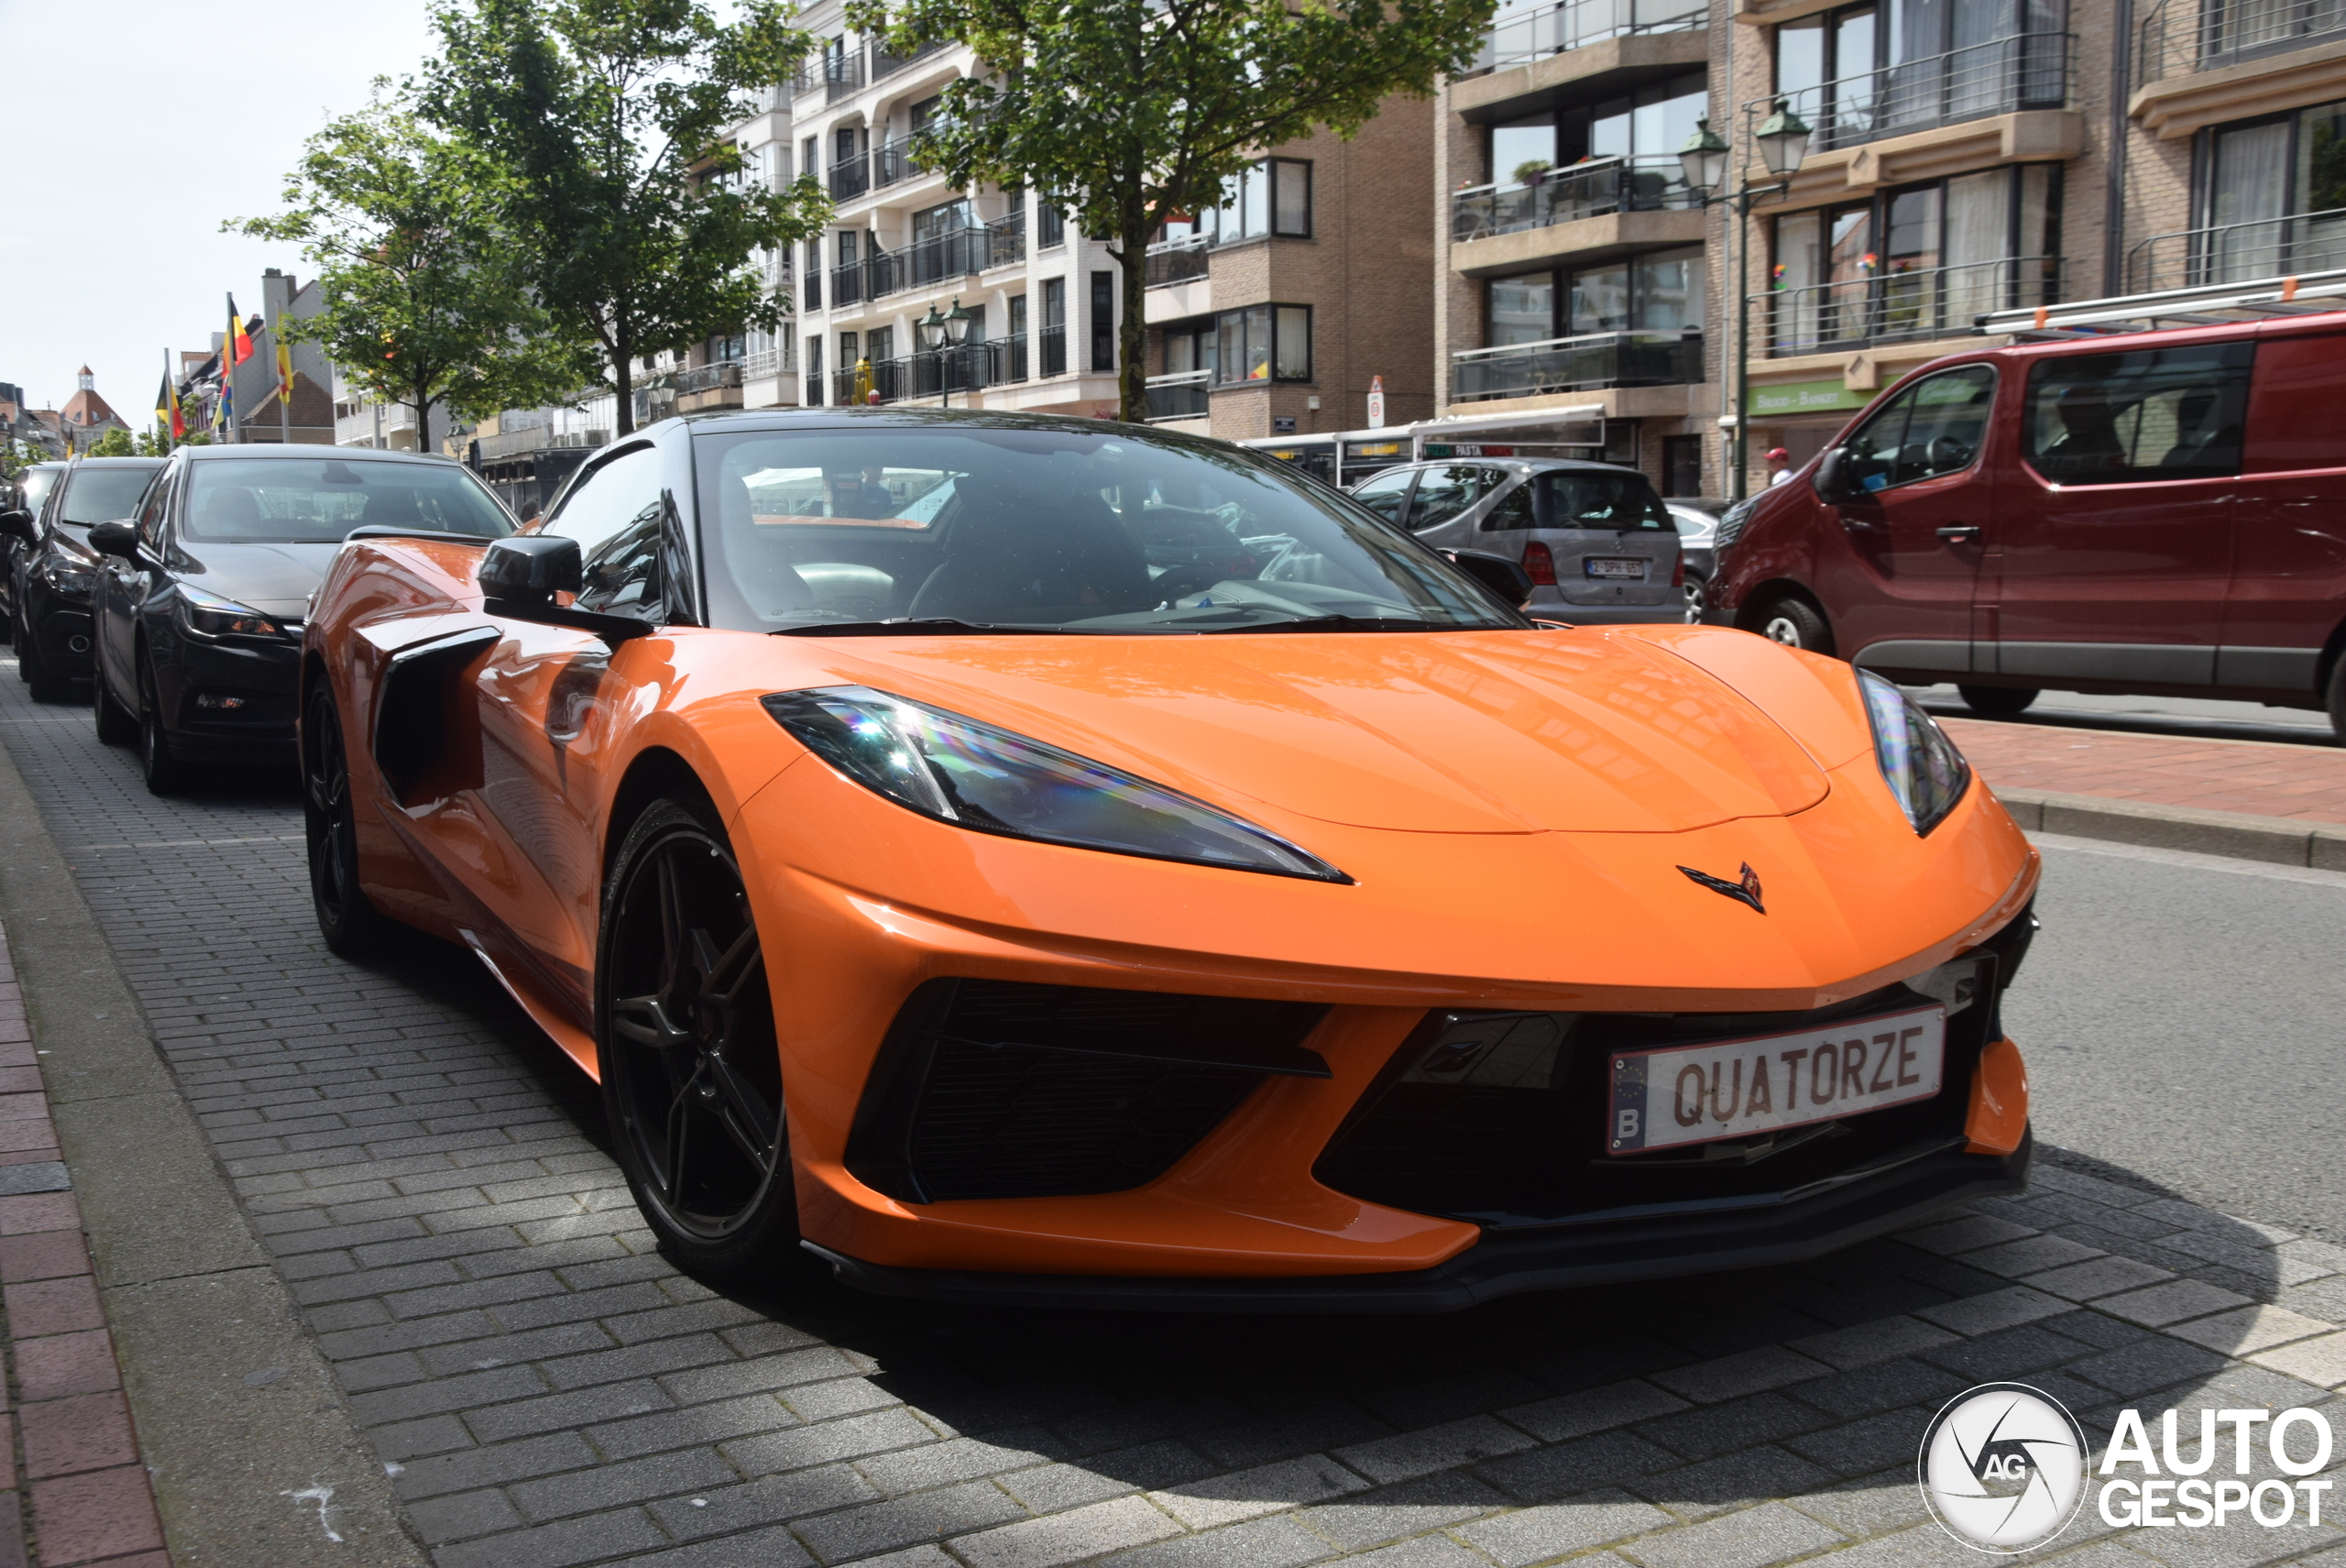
(2338, 700)
(685, 1036)
(1996, 702)
(347, 918)
(164, 773)
(34, 672)
(1796, 623)
(115, 724)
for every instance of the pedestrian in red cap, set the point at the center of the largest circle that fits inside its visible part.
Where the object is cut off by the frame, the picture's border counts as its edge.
(1779, 466)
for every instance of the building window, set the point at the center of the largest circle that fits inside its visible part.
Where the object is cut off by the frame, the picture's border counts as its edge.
(811, 285)
(1270, 198)
(1188, 348)
(1871, 70)
(849, 353)
(1103, 321)
(1916, 261)
(2272, 197)
(811, 384)
(1660, 293)
(1054, 327)
(1261, 342)
(1050, 227)
(1681, 466)
(1016, 368)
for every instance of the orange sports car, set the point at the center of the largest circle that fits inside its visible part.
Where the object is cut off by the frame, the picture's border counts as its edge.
(1027, 858)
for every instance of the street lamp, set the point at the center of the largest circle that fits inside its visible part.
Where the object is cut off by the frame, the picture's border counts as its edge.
(943, 331)
(1783, 140)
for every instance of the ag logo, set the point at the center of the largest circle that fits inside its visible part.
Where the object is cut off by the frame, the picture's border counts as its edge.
(2003, 1467)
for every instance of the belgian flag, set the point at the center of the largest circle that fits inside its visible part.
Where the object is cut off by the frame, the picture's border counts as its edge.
(239, 346)
(167, 408)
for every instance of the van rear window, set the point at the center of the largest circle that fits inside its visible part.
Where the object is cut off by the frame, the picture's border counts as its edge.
(2130, 419)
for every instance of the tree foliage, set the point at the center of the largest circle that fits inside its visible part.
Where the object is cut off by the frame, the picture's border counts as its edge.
(1123, 111)
(603, 119)
(116, 442)
(426, 302)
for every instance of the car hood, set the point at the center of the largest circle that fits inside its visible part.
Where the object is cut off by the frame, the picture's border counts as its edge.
(1465, 732)
(276, 579)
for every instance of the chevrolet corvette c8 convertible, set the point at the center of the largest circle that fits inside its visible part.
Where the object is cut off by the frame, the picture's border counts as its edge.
(1025, 858)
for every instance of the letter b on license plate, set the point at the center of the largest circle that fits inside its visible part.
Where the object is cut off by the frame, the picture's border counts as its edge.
(1733, 1089)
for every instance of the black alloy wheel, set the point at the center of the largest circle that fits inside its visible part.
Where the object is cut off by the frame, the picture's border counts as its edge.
(1796, 623)
(115, 725)
(684, 1033)
(1996, 702)
(347, 918)
(164, 773)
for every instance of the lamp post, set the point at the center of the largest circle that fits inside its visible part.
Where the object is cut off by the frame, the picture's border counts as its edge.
(1783, 139)
(942, 332)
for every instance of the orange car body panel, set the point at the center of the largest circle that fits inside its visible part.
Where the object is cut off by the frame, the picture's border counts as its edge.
(1513, 807)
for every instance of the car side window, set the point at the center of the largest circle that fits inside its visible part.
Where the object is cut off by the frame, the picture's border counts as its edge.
(151, 510)
(1936, 426)
(1386, 494)
(613, 496)
(623, 573)
(2151, 415)
(1443, 493)
(1510, 512)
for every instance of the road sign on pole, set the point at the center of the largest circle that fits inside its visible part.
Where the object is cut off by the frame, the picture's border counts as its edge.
(1376, 403)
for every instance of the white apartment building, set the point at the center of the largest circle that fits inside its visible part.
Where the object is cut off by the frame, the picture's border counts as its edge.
(1042, 300)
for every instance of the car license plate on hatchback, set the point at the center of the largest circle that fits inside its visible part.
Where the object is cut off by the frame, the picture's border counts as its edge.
(1733, 1089)
(1614, 567)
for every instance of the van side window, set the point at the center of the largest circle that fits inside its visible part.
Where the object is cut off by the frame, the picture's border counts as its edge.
(2131, 419)
(1936, 426)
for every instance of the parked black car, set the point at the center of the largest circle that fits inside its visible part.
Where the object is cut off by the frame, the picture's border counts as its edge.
(54, 570)
(26, 493)
(200, 602)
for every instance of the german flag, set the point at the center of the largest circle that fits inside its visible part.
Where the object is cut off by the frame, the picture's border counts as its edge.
(239, 346)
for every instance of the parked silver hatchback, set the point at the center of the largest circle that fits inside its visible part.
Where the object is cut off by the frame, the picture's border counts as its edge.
(1599, 544)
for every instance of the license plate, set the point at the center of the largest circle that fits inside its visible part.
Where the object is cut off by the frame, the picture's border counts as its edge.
(1614, 567)
(1733, 1089)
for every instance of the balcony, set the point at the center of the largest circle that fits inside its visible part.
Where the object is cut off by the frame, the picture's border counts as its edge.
(1588, 189)
(884, 64)
(850, 178)
(1527, 34)
(1942, 302)
(892, 162)
(2003, 76)
(2181, 37)
(1054, 348)
(2239, 253)
(1175, 261)
(843, 75)
(704, 387)
(1577, 365)
(1179, 395)
(1007, 239)
(972, 368)
(769, 362)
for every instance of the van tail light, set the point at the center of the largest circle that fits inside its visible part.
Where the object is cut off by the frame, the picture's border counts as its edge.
(1678, 573)
(1539, 564)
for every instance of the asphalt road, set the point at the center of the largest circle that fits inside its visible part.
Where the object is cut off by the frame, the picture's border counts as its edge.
(2183, 1018)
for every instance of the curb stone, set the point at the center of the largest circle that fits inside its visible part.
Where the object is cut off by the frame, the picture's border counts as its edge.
(2276, 840)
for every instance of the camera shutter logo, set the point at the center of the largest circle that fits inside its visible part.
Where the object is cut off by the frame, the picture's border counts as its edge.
(2003, 1467)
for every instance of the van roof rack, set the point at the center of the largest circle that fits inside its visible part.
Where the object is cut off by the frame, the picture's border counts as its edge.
(2210, 305)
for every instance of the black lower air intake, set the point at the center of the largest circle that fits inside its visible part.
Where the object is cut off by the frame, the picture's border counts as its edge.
(999, 1089)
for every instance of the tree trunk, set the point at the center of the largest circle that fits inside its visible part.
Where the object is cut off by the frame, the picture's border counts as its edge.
(1132, 342)
(623, 378)
(423, 406)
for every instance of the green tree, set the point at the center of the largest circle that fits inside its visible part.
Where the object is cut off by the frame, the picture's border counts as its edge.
(1121, 112)
(603, 120)
(116, 442)
(424, 303)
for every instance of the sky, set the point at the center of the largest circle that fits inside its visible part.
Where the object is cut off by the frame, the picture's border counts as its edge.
(127, 151)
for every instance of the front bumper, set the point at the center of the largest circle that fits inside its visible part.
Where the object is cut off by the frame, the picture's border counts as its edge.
(1510, 1262)
(200, 680)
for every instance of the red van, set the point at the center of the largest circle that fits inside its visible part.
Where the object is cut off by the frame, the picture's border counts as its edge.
(2156, 512)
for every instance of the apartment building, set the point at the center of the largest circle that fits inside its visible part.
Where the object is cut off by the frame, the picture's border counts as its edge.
(1958, 161)
(1274, 313)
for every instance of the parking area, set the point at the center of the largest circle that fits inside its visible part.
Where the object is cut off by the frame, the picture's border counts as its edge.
(429, 1175)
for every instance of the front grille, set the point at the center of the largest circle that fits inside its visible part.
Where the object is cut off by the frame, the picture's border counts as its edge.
(1500, 1117)
(996, 1088)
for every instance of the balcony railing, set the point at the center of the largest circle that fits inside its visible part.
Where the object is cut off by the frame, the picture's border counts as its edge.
(887, 64)
(1589, 190)
(972, 368)
(2025, 70)
(1175, 261)
(843, 75)
(2179, 36)
(769, 362)
(1939, 302)
(2239, 253)
(1007, 239)
(708, 377)
(1053, 347)
(1525, 33)
(847, 284)
(893, 161)
(850, 178)
(1577, 363)
(1179, 395)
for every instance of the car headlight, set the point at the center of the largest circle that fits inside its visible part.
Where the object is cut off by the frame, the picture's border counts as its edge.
(209, 615)
(1922, 766)
(993, 780)
(68, 578)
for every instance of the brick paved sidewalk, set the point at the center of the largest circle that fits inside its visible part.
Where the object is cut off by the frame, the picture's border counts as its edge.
(73, 1450)
(2257, 777)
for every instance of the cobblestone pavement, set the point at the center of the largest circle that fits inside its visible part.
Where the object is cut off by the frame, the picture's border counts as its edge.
(429, 1174)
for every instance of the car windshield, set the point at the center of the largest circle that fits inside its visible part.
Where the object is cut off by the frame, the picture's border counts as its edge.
(291, 500)
(104, 495)
(1593, 498)
(38, 482)
(1035, 527)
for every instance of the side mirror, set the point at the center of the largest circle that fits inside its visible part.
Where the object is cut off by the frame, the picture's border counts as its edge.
(1503, 579)
(116, 539)
(522, 574)
(18, 525)
(1832, 478)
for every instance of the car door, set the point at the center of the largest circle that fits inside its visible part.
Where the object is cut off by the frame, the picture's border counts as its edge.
(544, 701)
(121, 591)
(2115, 545)
(1918, 500)
(2286, 594)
